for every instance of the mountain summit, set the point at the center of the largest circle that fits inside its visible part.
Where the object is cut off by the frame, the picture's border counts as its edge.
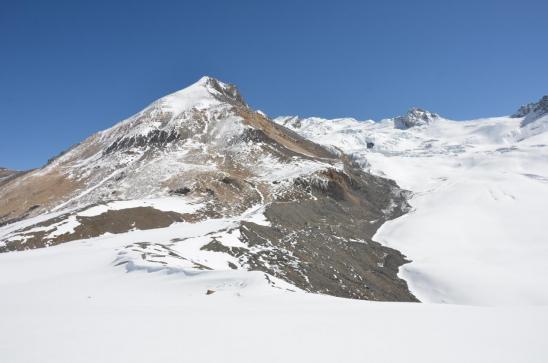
(415, 117)
(253, 194)
(189, 137)
(205, 93)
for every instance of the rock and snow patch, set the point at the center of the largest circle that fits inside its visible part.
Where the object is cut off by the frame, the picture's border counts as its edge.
(166, 204)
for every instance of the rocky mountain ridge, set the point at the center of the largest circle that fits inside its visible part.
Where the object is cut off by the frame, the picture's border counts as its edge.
(532, 111)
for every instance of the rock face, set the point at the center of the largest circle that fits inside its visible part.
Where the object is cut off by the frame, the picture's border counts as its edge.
(415, 117)
(338, 224)
(532, 111)
(201, 157)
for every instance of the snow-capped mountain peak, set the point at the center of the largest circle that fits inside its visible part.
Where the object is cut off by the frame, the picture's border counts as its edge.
(206, 92)
(255, 193)
(415, 117)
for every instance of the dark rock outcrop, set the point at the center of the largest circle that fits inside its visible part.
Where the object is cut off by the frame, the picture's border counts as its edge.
(323, 244)
(532, 111)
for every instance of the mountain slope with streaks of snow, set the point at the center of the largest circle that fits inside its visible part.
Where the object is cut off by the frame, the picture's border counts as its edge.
(202, 156)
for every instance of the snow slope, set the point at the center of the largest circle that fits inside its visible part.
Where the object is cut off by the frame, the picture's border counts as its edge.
(480, 188)
(70, 303)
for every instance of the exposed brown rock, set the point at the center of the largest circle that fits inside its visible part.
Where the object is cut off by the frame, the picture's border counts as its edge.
(283, 136)
(112, 221)
(19, 197)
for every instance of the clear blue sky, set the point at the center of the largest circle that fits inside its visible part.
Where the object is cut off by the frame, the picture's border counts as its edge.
(70, 68)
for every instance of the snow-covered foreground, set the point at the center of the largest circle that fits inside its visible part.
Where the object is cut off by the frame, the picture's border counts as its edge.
(69, 303)
(480, 189)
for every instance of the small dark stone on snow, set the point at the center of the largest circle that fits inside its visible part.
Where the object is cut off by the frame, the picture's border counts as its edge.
(181, 191)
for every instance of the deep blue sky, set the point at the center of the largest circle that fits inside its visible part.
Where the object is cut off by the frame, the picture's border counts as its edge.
(70, 68)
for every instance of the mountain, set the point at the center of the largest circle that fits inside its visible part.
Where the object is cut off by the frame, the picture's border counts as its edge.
(257, 194)
(478, 196)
